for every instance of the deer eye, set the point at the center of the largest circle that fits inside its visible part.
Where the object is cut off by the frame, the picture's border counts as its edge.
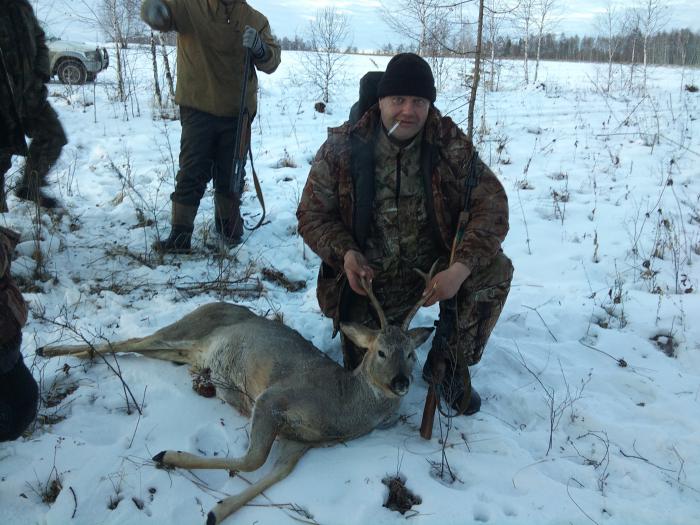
(381, 354)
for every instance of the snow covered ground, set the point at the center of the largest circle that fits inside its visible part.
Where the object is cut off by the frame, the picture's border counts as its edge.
(605, 238)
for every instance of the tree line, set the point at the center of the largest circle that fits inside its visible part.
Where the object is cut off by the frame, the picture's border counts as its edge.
(675, 47)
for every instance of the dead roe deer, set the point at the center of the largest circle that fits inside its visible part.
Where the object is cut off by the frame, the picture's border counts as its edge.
(292, 390)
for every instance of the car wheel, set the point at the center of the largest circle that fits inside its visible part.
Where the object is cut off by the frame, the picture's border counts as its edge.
(72, 72)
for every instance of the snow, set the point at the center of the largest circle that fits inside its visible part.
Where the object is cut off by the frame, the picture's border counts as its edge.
(597, 185)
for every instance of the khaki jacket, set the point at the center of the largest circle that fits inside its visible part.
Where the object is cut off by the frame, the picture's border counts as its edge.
(211, 57)
(337, 201)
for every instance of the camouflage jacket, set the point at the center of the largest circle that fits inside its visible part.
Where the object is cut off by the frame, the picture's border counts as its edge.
(24, 70)
(13, 309)
(336, 206)
(211, 57)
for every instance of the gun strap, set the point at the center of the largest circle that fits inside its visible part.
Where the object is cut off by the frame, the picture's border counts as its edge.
(258, 191)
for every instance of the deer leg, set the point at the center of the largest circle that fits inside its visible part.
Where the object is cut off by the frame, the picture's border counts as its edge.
(154, 347)
(262, 434)
(289, 454)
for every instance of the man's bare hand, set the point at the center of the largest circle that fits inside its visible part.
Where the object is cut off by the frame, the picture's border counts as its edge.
(446, 284)
(357, 267)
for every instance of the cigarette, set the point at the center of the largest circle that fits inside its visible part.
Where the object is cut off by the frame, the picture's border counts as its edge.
(393, 128)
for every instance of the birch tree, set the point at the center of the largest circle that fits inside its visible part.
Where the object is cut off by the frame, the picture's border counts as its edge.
(612, 24)
(653, 16)
(544, 10)
(327, 34)
(523, 18)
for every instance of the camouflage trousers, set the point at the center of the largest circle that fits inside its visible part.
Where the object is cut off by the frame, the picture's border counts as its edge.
(48, 139)
(466, 322)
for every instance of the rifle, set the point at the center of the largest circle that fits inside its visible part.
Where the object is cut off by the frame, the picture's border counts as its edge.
(241, 144)
(447, 323)
(438, 367)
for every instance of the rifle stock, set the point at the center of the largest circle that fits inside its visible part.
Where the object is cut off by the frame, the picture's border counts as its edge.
(426, 424)
(440, 346)
(432, 400)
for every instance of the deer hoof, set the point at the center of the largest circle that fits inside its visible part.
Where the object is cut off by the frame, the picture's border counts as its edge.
(158, 458)
(211, 519)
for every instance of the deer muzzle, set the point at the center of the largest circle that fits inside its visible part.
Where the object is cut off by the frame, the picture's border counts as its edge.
(400, 384)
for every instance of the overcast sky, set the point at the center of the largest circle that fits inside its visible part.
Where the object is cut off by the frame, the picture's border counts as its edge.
(290, 17)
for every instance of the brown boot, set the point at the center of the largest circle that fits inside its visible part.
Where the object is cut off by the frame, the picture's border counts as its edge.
(227, 217)
(180, 238)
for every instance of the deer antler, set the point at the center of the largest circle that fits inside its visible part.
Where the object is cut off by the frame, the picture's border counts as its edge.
(428, 277)
(367, 287)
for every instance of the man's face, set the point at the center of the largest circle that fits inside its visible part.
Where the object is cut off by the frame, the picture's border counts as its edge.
(411, 112)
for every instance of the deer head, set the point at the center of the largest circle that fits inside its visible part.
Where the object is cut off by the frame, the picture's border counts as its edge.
(391, 350)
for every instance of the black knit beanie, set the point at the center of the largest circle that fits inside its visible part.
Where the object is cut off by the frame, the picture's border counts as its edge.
(409, 75)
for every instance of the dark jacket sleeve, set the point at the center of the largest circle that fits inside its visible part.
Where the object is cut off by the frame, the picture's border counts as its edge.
(320, 222)
(487, 223)
(275, 51)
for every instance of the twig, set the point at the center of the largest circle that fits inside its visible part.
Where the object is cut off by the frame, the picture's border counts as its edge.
(75, 502)
(143, 402)
(620, 362)
(117, 371)
(574, 501)
(543, 321)
(639, 456)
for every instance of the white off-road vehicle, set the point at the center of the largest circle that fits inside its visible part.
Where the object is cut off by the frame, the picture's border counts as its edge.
(75, 62)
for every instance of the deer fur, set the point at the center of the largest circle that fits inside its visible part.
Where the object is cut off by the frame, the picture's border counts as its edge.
(291, 390)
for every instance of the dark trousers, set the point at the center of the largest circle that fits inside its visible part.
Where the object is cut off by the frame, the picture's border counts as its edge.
(48, 139)
(19, 395)
(206, 153)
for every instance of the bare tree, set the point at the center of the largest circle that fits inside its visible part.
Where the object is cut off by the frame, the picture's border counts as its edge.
(120, 20)
(494, 16)
(523, 19)
(477, 69)
(327, 34)
(613, 25)
(545, 11)
(653, 16)
(434, 27)
(413, 19)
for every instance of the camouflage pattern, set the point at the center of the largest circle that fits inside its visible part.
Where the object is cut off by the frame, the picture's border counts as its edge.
(415, 202)
(333, 203)
(24, 70)
(13, 309)
(24, 109)
(400, 235)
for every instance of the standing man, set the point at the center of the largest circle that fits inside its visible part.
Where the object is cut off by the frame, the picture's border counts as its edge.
(387, 195)
(18, 389)
(213, 37)
(24, 109)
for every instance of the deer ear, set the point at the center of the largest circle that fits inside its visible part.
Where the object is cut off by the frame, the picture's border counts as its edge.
(358, 334)
(419, 335)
